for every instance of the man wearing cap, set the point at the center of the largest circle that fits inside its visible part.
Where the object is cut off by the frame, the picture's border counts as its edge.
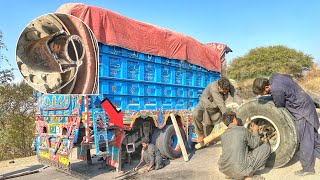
(237, 161)
(151, 155)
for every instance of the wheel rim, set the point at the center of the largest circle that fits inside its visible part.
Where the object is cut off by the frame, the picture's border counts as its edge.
(35, 37)
(174, 142)
(275, 140)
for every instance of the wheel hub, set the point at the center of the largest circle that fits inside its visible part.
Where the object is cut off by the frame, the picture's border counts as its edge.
(267, 129)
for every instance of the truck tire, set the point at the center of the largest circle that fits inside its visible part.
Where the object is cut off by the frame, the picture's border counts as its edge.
(155, 136)
(167, 142)
(285, 142)
(315, 98)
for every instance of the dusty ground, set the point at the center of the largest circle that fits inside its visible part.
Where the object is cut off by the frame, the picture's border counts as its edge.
(202, 165)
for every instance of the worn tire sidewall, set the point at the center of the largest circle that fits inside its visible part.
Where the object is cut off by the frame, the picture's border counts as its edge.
(284, 122)
(164, 140)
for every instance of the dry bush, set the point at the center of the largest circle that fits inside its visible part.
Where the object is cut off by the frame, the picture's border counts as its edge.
(245, 87)
(311, 82)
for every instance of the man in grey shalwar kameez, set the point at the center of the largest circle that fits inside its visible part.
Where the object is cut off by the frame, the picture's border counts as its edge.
(151, 155)
(211, 105)
(237, 161)
(287, 93)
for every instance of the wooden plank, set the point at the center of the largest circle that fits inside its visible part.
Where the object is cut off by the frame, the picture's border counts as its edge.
(212, 136)
(180, 140)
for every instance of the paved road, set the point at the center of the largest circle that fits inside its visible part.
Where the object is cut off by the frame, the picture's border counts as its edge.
(202, 165)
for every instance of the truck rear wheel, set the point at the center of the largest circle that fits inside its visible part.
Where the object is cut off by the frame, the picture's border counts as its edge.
(167, 142)
(277, 123)
(155, 135)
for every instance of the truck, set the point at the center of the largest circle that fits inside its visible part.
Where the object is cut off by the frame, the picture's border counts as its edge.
(145, 73)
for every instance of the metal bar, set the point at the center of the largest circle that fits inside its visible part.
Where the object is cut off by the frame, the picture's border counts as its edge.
(86, 117)
(95, 133)
(19, 174)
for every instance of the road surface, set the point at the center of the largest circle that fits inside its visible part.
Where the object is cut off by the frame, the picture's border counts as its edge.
(202, 165)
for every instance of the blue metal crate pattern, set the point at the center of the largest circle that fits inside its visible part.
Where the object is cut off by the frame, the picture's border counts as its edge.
(138, 81)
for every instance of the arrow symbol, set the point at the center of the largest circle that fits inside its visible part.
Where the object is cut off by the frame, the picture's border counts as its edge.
(114, 114)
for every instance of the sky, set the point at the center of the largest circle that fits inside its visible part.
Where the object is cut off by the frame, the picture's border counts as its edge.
(242, 25)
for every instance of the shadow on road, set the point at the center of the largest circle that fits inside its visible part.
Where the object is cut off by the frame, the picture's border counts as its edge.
(191, 152)
(31, 168)
(83, 170)
(294, 160)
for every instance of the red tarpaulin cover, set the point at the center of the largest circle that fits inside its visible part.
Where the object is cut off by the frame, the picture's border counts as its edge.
(114, 29)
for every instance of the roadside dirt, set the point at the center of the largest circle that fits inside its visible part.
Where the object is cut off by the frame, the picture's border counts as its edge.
(17, 164)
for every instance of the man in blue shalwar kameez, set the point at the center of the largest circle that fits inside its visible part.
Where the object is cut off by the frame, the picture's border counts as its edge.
(287, 93)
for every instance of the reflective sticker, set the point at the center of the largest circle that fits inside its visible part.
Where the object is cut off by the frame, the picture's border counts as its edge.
(64, 160)
(44, 154)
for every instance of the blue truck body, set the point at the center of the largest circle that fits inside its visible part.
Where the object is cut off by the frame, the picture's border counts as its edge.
(138, 81)
(143, 86)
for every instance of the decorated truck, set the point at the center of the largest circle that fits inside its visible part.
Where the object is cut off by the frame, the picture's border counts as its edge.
(145, 73)
(140, 74)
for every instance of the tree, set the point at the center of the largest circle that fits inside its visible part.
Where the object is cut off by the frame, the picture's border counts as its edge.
(17, 118)
(264, 61)
(17, 109)
(6, 75)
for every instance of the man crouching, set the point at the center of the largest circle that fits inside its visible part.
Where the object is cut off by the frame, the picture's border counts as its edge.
(151, 155)
(237, 161)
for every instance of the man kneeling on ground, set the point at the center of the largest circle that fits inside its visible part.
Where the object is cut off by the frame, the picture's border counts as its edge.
(151, 155)
(237, 161)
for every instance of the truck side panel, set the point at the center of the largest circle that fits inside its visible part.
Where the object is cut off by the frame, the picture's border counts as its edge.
(136, 81)
(146, 88)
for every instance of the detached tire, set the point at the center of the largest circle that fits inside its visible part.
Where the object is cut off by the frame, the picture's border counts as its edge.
(167, 142)
(286, 143)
